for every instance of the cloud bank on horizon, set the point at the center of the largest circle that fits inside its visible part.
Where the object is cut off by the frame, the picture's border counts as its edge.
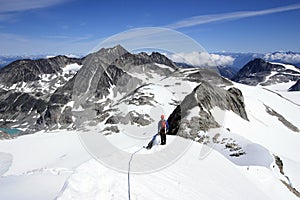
(202, 59)
(283, 56)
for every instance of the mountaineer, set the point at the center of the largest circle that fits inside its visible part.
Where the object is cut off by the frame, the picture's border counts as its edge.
(163, 128)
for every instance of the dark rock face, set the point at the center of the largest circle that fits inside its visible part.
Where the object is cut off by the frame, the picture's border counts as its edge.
(255, 72)
(205, 97)
(261, 72)
(237, 104)
(13, 103)
(143, 64)
(16, 106)
(31, 70)
(210, 75)
(161, 59)
(296, 86)
(66, 116)
(135, 118)
(282, 119)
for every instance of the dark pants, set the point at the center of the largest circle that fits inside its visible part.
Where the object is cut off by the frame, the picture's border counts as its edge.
(163, 137)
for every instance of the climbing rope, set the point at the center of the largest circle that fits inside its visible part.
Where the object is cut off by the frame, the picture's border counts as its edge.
(128, 174)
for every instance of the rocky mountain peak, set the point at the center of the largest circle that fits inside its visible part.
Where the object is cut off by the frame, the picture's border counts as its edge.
(31, 70)
(107, 55)
(205, 97)
(258, 65)
(161, 59)
(116, 50)
(258, 71)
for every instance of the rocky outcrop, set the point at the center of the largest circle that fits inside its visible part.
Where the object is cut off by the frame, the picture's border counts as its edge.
(31, 70)
(132, 118)
(296, 86)
(142, 63)
(161, 59)
(205, 97)
(20, 108)
(286, 182)
(285, 122)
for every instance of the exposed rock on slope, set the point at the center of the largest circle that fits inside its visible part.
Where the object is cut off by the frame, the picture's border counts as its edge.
(205, 97)
(296, 86)
(32, 70)
(261, 72)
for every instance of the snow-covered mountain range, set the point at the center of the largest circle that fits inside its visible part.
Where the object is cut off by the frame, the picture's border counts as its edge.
(230, 63)
(261, 72)
(91, 117)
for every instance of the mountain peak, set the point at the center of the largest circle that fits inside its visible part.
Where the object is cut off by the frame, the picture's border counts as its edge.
(162, 59)
(108, 55)
(259, 71)
(118, 49)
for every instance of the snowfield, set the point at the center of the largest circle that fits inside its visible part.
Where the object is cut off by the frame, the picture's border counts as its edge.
(36, 166)
(56, 165)
(53, 170)
(188, 178)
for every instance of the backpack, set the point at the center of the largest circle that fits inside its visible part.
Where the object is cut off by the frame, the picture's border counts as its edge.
(163, 124)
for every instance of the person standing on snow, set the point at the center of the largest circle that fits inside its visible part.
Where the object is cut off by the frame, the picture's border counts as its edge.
(163, 128)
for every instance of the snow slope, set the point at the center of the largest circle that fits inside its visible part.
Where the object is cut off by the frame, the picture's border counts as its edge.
(264, 128)
(267, 130)
(36, 166)
(188, 178)
(282, 89)
(214, 177)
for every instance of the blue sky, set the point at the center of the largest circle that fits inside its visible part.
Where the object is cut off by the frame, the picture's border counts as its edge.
(77, 26)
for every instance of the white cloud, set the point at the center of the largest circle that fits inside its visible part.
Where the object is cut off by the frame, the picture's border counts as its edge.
(283, 56)
(21, 5)
(205, 19)
(202, 59)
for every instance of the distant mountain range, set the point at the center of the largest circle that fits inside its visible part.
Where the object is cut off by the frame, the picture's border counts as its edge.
(240, 59)
(39, 93)
(122, 95)
(259, 71)
(5, 60)
(237, 60)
